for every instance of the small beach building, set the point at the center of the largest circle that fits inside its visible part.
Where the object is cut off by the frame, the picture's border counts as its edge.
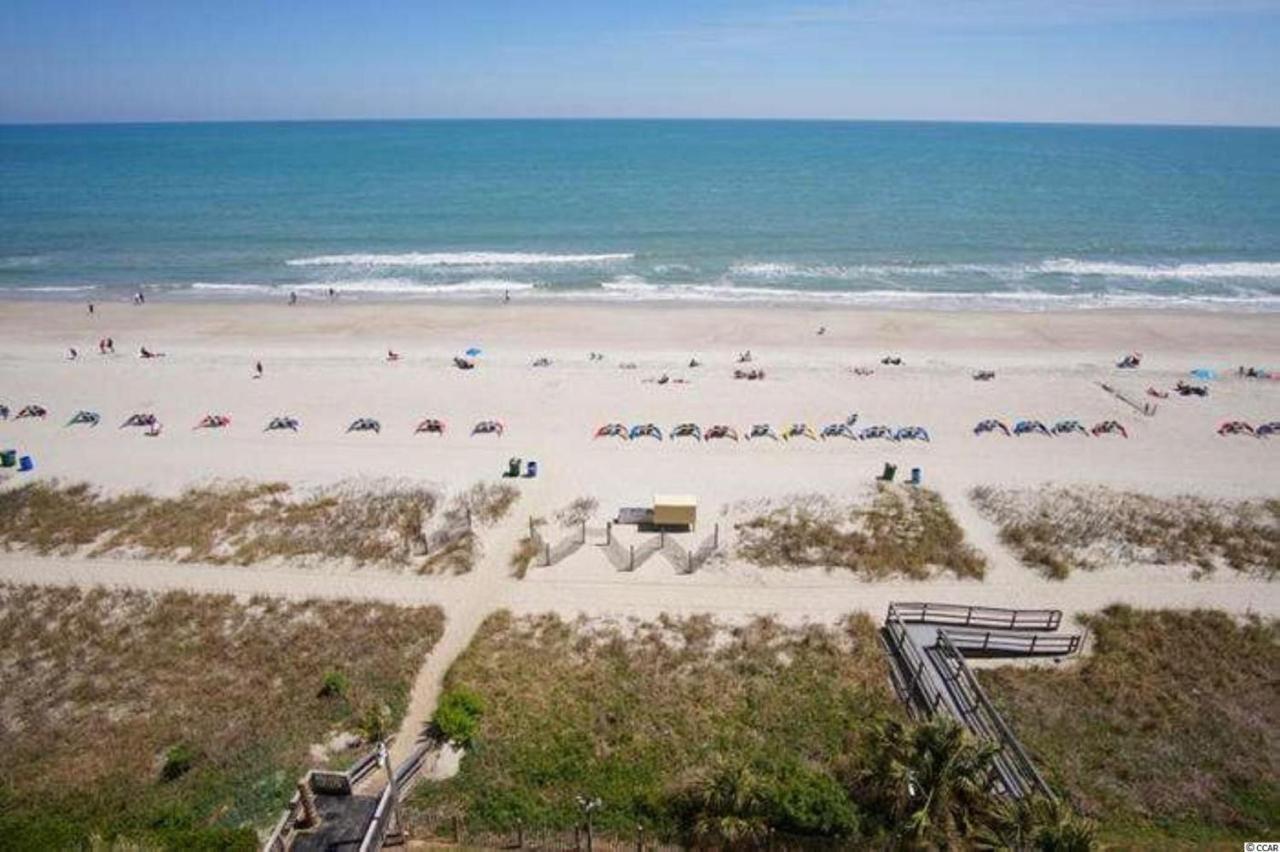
(675, 510)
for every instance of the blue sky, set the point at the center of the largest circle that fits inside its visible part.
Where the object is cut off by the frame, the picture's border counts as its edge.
(1161, 61)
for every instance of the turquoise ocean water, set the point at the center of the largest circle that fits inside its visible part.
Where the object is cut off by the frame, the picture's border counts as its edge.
(861, 213)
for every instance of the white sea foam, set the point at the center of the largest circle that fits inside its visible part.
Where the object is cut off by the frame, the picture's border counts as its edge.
(465, 258)
(1156, 272)
(781, 271)
(373, 286)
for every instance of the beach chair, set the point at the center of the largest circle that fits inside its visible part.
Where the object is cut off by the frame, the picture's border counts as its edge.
(283, 423)
(86, 418)
(1268, 429)
(430, 425)
(762, 430)
(36, 411)
(612, 430)
(687, 430)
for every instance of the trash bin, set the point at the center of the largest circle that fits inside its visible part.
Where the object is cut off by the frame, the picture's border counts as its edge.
(25, 464)
(916, 476)
(531, 470)
(8, 458)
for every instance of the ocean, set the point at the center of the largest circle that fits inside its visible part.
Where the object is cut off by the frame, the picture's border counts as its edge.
(1019, 217)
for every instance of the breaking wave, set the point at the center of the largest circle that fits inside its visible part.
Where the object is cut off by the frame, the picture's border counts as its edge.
(465, 258)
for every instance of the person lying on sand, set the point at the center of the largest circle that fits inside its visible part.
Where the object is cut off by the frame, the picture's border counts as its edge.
(744, 357)
(72, 354)
(147, 353)
(392, 355)
(694, 362)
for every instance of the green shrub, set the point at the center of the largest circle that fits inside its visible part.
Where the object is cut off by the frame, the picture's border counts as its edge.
(458, 715)
(335, 685)
(178, 761)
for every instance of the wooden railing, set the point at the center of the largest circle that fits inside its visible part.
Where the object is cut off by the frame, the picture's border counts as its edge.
(976, 616)
(907, 668)
(982, 717)
(1013, 644)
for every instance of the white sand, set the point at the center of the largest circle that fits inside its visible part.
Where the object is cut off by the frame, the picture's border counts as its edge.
(325, 364)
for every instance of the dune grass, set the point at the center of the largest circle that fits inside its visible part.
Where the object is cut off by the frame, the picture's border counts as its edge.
(181, 720)
(1168, 733)
(632, 713)
(899, 532)
(1060, 530)
(243, 523)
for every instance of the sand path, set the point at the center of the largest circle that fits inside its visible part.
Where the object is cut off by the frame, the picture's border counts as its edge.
(586, 584)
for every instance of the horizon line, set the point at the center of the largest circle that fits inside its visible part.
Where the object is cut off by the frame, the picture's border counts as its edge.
(655, 118)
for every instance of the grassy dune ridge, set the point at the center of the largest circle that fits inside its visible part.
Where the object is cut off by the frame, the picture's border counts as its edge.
(183, 720)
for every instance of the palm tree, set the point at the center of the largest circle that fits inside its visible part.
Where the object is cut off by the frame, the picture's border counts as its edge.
(728, 808)
(1037, 823)
(932, 780)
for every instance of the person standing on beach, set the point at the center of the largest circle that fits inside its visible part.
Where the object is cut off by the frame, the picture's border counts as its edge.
(91, 309)
(257, 370)
(293, 297)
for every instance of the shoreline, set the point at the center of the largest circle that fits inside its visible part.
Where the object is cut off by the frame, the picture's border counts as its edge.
(696, 297)
(793, 327)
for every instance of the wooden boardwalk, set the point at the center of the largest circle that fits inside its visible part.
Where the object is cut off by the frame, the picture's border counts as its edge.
(927, 645)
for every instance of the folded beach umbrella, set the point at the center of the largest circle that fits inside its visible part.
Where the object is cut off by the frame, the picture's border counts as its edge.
(687, 430)
(1066, 427)
(1027, 427)
(720, 431)
(139, 419)
(645, 430)
(214, 421)
(1109, 427)
(990, 426)
(838, 430)
(872, 432)
(613, 430)
(87, 418)
(1235, 427)
(799, 430)
(430, 425)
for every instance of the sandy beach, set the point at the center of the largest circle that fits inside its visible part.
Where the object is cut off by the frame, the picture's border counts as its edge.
(326, 364)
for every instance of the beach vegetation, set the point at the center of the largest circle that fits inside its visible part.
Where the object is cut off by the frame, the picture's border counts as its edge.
(701, 733)
(244, 523)
(458, 715)
(177, 720)
(1057, 530)
(896, 532)
(1167, 733)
